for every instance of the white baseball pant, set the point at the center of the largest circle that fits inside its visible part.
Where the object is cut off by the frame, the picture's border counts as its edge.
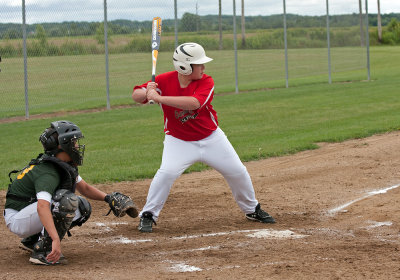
(215, 151)
(26, 222)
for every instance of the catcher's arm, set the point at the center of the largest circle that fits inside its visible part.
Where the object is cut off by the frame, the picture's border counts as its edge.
(89, 191)
(121, 205)
(46, 217)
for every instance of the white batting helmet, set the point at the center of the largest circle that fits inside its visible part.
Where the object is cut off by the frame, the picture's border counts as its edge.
(187, 54)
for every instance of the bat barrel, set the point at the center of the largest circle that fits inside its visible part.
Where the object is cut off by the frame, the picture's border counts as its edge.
(155, 44)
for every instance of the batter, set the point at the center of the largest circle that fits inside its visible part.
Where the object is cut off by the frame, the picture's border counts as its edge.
(192, 135)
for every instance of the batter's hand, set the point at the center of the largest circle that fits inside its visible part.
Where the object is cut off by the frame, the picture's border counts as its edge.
(152, 95)
(152, 85)
(151, 92)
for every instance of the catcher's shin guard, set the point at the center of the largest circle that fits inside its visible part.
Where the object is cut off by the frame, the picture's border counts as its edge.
(63, 208)
(85, 209)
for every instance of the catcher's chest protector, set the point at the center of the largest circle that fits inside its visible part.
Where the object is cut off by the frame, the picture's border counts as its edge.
(67, 172)
(68, 175)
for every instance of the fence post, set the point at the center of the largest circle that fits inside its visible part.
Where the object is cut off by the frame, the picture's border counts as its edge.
(285, 38)
(235, 47)
(328, 41)
(106, 54)
(367, 39)
(176, 23)
(25, 60)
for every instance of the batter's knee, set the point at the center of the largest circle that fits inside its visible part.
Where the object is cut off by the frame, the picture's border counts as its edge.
(169, 173)
(234, 171)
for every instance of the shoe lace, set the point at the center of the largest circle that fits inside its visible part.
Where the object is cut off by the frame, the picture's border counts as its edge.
(148, 217)
(262, 214)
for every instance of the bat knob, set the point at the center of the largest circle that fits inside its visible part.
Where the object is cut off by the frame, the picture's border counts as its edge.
(151, 102)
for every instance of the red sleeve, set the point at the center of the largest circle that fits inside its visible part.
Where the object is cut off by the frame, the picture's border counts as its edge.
(143, 86)
(204, 91)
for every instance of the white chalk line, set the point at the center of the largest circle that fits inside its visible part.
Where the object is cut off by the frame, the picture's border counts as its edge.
(256, 233)
(335, 210)
(374, 224)
(184, 267)
(253, 233)
(180, 251)
(259, 233)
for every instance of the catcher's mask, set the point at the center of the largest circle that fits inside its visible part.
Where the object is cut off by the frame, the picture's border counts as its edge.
(67, 135)
(187, 54)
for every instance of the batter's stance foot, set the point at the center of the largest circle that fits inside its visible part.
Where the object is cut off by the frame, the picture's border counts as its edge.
(146, 222)
(260, 216)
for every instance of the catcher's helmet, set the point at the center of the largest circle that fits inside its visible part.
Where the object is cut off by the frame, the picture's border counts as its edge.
(67, 135)
(187, 54)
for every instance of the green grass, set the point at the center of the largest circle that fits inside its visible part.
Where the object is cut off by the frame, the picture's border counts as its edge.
(68, 83)
(126, 144)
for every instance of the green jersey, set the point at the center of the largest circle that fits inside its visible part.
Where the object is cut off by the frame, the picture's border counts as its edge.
(32, 180)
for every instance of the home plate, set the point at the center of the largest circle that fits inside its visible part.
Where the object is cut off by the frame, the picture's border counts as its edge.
(276, 234)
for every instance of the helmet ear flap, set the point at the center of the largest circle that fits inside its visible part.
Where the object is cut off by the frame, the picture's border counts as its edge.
(183, 68)
(48, 139)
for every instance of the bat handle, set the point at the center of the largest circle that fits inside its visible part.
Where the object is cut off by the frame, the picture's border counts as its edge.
(153, 79)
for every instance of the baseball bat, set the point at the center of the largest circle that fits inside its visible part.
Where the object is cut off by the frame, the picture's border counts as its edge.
(155, 45)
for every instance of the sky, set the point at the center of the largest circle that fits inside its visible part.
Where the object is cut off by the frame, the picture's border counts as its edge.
(38, 11)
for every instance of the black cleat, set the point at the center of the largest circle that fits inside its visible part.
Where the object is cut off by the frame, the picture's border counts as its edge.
(28, 242)
(260, 216)
(39, 258)
(40, 251)
(146, 222)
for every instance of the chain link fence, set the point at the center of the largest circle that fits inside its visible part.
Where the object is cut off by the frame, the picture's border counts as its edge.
(75, 59)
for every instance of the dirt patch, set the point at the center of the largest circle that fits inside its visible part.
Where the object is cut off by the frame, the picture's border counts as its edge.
(337, 218)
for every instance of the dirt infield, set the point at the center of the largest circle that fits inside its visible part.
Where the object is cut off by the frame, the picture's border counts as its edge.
(337, 212)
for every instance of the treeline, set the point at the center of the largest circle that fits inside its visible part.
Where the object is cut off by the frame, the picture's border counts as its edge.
(262, 39)
(189, 23)
(41, 44)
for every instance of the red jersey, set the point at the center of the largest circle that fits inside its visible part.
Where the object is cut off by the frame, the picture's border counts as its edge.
(187, 125)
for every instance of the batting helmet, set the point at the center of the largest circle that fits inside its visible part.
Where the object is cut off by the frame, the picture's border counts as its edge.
(187, 54)
(67, 135)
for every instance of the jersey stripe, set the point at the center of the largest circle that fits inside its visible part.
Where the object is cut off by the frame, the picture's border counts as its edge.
(212, 117)
(208, 97)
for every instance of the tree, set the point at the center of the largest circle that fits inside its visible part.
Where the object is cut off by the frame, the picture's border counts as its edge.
(243, 26)
(379, 22)
(12, 34)
(40, 34)
(189, 22)
(361, 24)
(100, 33)
(220, 24)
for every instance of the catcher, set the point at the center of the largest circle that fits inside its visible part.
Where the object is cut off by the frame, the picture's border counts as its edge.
(41, 204)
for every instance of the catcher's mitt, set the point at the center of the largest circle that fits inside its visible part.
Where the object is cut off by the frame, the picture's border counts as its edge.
(121, 205)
